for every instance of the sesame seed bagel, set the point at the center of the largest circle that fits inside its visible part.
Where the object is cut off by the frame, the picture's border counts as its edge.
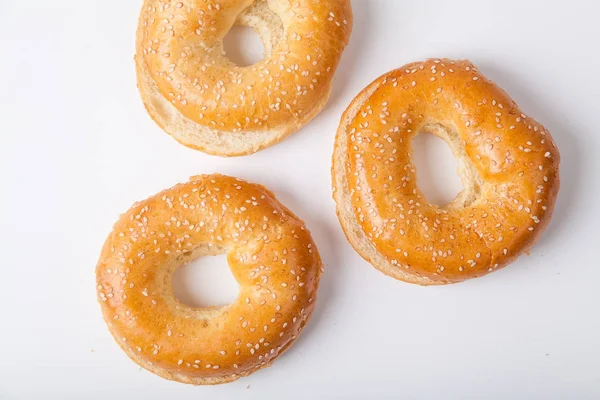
(269, 251)
(205, 101)
(507, 161)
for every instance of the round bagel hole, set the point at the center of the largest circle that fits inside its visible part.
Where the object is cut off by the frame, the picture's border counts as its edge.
(243, 46)
(436, 167)
(205, 282)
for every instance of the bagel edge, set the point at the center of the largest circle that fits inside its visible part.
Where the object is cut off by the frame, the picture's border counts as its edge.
(344, 210)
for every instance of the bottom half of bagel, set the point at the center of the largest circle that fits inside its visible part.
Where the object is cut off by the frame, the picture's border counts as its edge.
(209, 140)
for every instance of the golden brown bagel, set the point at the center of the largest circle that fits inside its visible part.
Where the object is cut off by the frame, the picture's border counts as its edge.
(271, 255)
(206, 102)
(508, 163)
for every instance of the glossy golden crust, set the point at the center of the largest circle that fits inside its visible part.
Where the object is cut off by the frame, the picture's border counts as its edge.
(269, 251)
(195, 93)
(508, 163)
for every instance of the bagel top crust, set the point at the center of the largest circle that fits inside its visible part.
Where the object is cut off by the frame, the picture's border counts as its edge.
(508, 163)
(269, 251)
(180, 58)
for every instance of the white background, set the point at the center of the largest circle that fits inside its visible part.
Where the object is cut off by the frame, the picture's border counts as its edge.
(77, 148)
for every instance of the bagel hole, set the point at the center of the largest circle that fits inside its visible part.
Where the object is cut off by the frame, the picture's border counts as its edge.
(243, 46)
(205, 282)
(437, 169)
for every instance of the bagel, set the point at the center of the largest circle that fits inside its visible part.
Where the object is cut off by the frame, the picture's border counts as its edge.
(269, 251)
(205, 101)
(507, 161)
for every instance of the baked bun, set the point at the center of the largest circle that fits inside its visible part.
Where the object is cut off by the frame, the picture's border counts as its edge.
(269, 251)
(205, 101)
(507, 161)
